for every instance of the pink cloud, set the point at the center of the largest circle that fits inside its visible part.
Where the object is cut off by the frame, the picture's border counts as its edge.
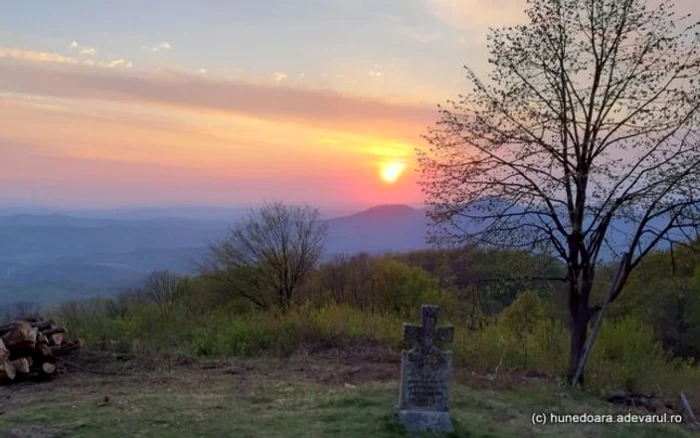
(196, 92)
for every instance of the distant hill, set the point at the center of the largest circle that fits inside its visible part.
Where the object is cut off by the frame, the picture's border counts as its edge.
(378, 229)
(59, 256)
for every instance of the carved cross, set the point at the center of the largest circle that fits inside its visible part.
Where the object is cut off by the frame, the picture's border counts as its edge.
(428, 334)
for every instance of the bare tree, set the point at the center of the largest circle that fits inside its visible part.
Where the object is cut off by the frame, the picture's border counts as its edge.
(266, 257)
(162, 287)
(585, 141)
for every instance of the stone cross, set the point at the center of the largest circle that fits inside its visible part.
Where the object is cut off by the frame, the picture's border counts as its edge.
(428, 335)
(425, 375)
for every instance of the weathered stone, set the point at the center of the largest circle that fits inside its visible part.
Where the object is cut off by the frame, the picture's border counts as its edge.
(425, 376)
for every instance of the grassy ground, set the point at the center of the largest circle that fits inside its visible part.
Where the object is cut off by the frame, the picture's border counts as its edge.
(303, 397)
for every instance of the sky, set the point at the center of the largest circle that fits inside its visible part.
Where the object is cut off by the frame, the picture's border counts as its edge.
(229, 102)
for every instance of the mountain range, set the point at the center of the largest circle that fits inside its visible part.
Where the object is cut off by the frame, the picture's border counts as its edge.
(51, 257)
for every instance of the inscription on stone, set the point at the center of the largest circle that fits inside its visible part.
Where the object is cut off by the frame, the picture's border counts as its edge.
(425, 375)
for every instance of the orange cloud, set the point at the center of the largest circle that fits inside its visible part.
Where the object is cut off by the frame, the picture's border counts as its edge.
(195, 92)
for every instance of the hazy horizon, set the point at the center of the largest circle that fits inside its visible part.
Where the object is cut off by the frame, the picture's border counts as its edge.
(201, 211)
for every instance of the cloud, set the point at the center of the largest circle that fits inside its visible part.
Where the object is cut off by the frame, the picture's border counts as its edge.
(30, 55)
(84, 50)
(196, 92)
(158, 47)
(375, 74)
(203, 70)
(115, 63)
(12, 102)
(279, 76)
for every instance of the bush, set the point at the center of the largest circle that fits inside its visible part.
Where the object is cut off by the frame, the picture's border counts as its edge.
(547, 347)
(627, 355)
(523, 337)
(524, 314)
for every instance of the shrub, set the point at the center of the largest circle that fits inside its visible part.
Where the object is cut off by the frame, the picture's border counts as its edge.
(627, 354)
(524, 314)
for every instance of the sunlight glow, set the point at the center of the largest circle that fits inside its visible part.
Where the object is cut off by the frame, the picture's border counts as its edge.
(392, 170)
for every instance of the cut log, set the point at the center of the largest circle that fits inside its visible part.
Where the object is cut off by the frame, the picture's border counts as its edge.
(50, 332)
(28, 348)
(21, 365)
(56, 339)
(7, 327)
(44, 350)
(48, 368)
(66, 348)
(32, 318)
(30, 342)
(45, 325)
(41, 339)
(22, 335)
(4, 352)
(7, 370)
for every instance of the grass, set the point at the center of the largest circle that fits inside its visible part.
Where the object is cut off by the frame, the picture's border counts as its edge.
(626, 355)
(211, 403)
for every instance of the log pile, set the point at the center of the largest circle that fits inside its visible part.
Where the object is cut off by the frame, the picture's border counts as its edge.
(29, 350)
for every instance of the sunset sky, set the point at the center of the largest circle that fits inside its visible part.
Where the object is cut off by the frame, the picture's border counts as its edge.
(164, 102)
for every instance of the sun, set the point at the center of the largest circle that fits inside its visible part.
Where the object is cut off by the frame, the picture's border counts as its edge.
(392, 170)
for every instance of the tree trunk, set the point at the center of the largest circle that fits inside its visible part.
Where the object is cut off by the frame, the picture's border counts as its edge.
(578, 333)
(579, 314)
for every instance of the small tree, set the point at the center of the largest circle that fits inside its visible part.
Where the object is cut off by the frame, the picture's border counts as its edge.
(585, 140)
(163, 287)
(266, 257)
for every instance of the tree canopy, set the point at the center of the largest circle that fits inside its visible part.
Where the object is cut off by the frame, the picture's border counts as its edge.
(584, 138)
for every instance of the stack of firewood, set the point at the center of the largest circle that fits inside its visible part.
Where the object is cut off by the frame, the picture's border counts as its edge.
(29, 349)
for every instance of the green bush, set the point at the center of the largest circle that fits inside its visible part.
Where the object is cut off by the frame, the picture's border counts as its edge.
(523, 337)
(523, 315)
(627, 355)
